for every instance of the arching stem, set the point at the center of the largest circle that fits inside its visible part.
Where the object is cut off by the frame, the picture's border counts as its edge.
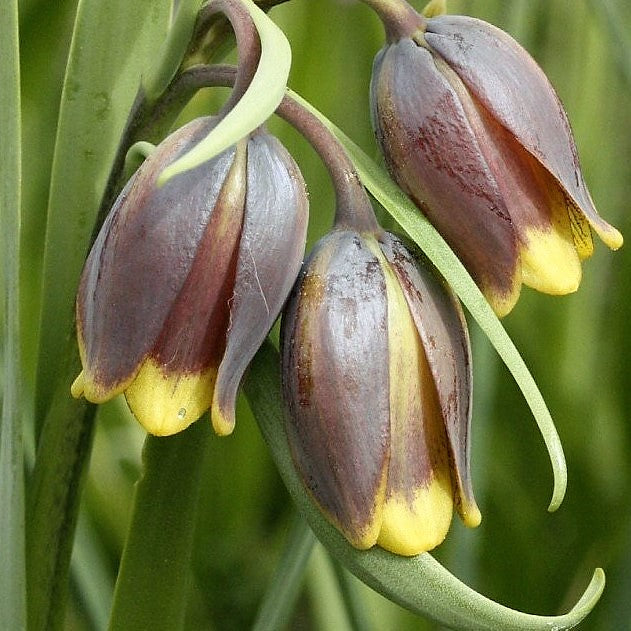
(353, 207)
(398, 17)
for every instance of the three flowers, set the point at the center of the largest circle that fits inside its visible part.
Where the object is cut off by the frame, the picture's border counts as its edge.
(184, 281)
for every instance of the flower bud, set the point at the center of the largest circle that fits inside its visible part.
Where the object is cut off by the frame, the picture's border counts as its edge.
(473, 131)
(184, 281)
(377, 382)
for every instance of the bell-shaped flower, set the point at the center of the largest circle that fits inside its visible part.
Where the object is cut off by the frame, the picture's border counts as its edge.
(473, 131)
(377, 382)
(185, 280)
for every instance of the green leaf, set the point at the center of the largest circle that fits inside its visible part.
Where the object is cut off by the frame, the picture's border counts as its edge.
(158, 76)
(259, 102)
(390, 196)
(155, 574)
(419, 583)
(12, 571)
(112, 44)
(284, 588)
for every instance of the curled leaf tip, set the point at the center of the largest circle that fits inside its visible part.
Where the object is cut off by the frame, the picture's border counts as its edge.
(257, 104)
(557, 459)
(590, 596)
(418, 583)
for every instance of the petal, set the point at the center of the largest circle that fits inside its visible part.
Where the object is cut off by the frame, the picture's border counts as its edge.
(434, 155)
(539, 208)
(442, 329)
(335, 382)
(270, 255)
(511, 85)
(192, 340)
(140, 261)
(167, 403)
(419, 498)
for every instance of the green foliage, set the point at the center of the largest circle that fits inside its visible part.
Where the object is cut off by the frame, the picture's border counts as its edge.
(575, 347)
(12, 573)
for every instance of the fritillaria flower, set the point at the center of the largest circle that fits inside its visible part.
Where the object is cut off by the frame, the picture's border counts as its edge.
(184, 281)
(377, 382)
(473, 131)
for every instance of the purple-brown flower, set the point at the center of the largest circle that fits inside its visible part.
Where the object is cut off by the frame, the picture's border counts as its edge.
(184, 281)
(473, 131)
(377, 382)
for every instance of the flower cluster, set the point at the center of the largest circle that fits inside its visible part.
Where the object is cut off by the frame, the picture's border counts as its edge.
(185, 280)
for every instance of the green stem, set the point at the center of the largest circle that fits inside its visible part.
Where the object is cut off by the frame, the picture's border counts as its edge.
(154, 578)
(418, 583)
(398, 17)
(66, 436)
(12, 404)
(355, 607)
(353, 207)
(280, 598)
(53, 503)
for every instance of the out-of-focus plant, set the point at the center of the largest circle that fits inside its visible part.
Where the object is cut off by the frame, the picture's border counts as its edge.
(372, 428)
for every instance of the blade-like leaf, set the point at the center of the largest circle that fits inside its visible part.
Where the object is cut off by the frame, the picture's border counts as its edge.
(154, 579)
(390, 196)
(12, 573)
(257, 104)
(112, 44)
(419, 583)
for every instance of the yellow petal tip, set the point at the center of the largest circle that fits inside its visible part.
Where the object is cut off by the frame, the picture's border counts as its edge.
(165, 404)
(613, 238)
(410, 528)
(223, 422)
(78, 386)
(550, 262)
(471, 516)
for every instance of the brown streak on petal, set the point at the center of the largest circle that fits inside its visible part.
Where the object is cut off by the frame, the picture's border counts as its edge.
(194, 334)
(442, 328)
(335, 381)
(142, 257)
(433, 154)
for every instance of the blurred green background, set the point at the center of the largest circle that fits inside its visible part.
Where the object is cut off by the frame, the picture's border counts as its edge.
(576, 346)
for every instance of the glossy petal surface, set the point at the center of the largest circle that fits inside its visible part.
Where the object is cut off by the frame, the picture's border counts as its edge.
(140, 262)
(442, 329)
(269, 259)
(418, 503)
(509, 83)
(184, 360)
(336, 383)
(435, 156)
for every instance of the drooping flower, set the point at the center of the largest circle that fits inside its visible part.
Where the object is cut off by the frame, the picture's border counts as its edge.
(184, 281)
(473, 131)
(377, 382)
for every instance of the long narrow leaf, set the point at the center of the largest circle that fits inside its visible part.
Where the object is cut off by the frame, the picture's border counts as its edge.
(12, 573)
(418, 583)
(390, 196)
(154, 579)
(112, 43)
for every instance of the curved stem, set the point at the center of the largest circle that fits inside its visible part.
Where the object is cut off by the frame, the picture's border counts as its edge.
(418, 583)
(248, 44)
(398, 17)
(353, 207)
(151, 117)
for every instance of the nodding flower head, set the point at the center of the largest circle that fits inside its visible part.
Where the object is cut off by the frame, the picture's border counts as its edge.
(185, 280)
(473, 131)
(377, 383)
